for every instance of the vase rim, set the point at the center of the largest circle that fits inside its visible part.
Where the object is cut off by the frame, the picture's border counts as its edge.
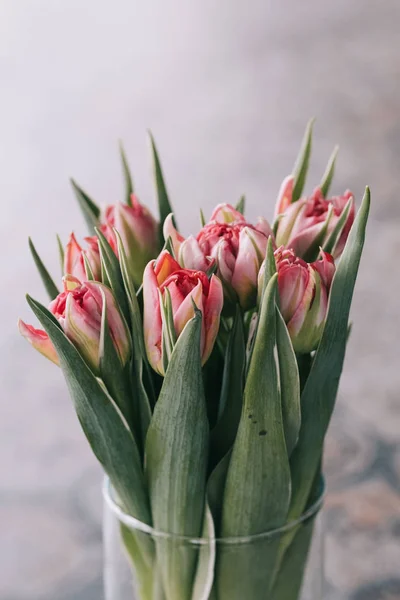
(137, 525)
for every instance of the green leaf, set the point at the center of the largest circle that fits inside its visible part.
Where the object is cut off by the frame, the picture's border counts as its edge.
(302, 162)
(241, 205)
(164, 205)
(319, 395)
(139, 363)
(304, 363)
(111, 273)
(202, 218)
(204, 578)
(289, 384)
(176, 461)
(169, 336)
(269, 272)
(329, 173)
(291, 574)
(101, 420)
(114, 375)
(215, 489)
(230, 406)
(89, 208)
(257, 489)
(48, 282)
(61, 254)
(331, 242)
(88, 268)
(270, 264)
(129, 189)
(294, 546)
(145, 570)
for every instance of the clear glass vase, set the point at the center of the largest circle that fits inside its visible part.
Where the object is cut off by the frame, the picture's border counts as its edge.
(143, 564)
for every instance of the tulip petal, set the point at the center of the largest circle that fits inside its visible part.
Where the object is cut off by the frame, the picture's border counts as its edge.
(296, 322)
(73, 263)
(222, 252)
(170, 231)
(83, 329)
(264, 226)
(116, 323)
(287, 221)
(305, 239)
(225, 213)
(152, 323)
(285, 195)
(293, 279)
(191, 256)
(185, 311)
(165, 266)
(212, 313)
(326, 268)
(39, 340)
(252, 248)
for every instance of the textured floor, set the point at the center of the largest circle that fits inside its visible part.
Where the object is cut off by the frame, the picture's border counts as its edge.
(226, 88)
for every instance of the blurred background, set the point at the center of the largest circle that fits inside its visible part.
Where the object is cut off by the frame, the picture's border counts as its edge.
(227, 88)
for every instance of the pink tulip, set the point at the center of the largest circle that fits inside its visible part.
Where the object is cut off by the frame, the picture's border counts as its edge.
(138, 230)
(237, 247)
(78, 309)
(165, 279)
(303, 293)
(74, 263)
(301, 223)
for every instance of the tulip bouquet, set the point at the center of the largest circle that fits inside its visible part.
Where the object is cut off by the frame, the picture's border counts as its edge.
(204, 372)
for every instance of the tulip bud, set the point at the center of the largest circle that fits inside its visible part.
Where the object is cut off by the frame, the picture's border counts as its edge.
(169, 296)
(237, 247)
(303, 293)
(78, 309)
(74, 258)
(309, 222)
(139, 233)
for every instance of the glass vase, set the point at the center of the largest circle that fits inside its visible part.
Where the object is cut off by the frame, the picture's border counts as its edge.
(143, 564)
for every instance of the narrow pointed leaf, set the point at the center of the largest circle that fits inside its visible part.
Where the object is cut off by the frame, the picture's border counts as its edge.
(215, 489)
(129, 189)
(289, 384)
(241, 205)
(61, 253)
(231, 401)
(48, 282)
(330, 244)
(102, 422)
(257, 488)
(88, 268)
(164, 205)
(115, 376)
(291, 573)
(176, 461)
(270, 264)
(89, 208)
(139, 361)
(319, 395)
(269, 272)
(202, 218)
(302, 162)
(112, 273)
(329, 173)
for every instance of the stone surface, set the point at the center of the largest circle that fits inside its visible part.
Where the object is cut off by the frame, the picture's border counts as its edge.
(226, 88)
